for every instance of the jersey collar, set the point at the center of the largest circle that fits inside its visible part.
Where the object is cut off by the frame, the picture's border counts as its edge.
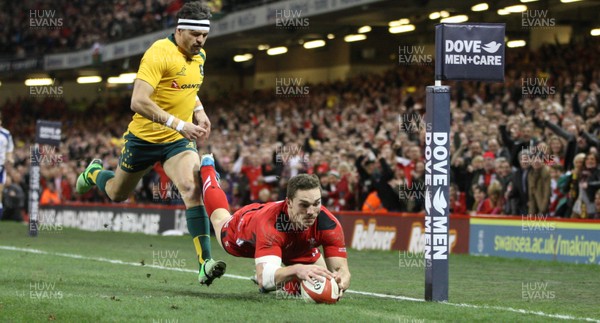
(172, 39)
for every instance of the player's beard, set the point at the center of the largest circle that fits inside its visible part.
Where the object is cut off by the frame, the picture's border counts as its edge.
(196, 49)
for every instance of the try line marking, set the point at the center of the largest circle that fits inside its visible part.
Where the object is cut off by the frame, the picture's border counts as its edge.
(402, 298)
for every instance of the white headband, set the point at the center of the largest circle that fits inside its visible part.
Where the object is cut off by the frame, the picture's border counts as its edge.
(202, 25)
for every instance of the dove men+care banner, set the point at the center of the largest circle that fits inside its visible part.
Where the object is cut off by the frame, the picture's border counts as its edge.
(470, 51)
(437, 182)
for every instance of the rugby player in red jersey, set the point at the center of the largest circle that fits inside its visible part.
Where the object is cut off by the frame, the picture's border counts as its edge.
(280, 233)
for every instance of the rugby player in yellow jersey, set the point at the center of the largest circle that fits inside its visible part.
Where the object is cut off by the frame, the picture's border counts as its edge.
(164, 100)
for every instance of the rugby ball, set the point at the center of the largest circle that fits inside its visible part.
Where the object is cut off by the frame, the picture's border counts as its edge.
(326, 292)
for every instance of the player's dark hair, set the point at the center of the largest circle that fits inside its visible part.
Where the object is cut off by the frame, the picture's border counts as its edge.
(302, 182)
(194, 10)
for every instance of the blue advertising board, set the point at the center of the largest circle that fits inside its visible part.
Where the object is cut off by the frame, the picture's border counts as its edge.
(536, 238)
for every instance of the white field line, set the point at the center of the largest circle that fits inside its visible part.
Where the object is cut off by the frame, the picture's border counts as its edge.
(402, 298)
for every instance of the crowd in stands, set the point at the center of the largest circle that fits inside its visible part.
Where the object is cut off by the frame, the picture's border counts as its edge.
(37, 27)
(516, 148)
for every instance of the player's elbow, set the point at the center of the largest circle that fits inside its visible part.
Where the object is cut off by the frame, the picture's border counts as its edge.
(135, 104)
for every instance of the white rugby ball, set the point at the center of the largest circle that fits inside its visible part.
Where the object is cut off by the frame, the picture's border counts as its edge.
(327, 292)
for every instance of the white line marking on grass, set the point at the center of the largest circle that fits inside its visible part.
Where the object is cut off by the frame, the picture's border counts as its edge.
(112, 261)
(397, 297)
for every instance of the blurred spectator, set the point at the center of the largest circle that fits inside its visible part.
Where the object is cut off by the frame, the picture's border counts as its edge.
(481, 204)
(389, 194)
(499, 151)
(556, 172)
(569, 186)
(596, 216)
(517, 138)
(457, 201)
(373, 204)
(417, 188)
(503, 172)
(368, 176)
(264, 196)
(50, 195)
(539, 186)
(494, 192)
(588, 185)
(518, 195)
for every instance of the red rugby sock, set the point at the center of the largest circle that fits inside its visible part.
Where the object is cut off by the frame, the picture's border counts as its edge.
(214, 197)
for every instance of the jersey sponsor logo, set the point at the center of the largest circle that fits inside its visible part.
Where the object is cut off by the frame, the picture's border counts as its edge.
(372, 236)
(174, 85)
(190, 86)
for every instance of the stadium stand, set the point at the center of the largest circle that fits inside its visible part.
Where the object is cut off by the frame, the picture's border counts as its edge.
(358, 135)
(91, 22)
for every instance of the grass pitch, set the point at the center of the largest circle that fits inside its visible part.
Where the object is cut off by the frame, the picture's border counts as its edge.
(76, 276)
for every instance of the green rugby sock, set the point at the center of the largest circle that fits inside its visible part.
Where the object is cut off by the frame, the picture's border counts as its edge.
(199, 227)
(102, 177)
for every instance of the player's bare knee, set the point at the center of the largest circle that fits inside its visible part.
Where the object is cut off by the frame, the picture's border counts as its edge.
(220, 216)
(189, 191)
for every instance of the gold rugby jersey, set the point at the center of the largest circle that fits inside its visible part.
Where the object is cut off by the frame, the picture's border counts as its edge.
(176, 81)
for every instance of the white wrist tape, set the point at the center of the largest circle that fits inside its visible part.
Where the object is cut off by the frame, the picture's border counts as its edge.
(170, 121)
(180, 125)
(200, 107)
(270, 266)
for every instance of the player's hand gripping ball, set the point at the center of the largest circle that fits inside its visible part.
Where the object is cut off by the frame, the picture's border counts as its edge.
(326, 292)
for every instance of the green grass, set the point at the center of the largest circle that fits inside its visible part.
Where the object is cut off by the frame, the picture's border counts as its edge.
(85, 290)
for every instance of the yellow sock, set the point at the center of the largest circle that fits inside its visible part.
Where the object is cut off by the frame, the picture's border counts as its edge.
(198, 249)
(93, 175)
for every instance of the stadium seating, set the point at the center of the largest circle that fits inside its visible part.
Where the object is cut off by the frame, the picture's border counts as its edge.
(342, 121)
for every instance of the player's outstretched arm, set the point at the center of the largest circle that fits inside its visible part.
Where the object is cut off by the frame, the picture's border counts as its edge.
(341, 273)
